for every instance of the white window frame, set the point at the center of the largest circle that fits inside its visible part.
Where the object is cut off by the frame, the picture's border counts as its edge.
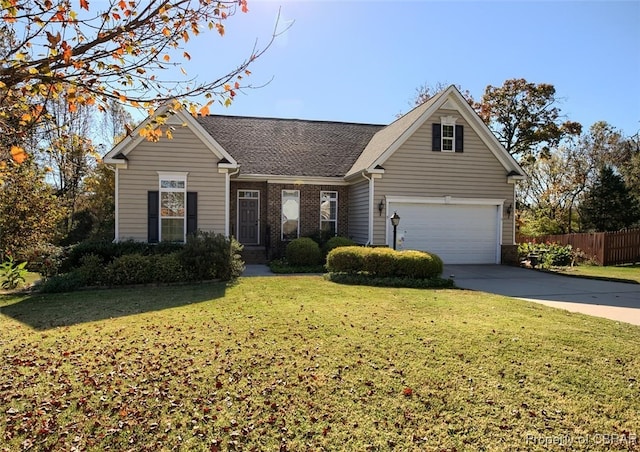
(172, 177)
(332, 199)
(282, 216)
(448, 121)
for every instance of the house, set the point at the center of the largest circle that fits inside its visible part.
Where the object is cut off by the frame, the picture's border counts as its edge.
(267, 181)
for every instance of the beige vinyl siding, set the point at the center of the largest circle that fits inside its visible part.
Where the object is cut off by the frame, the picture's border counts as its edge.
(415, 170)
(359, 212)
(184, 153)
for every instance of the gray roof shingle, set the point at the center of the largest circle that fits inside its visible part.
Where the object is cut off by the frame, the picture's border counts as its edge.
(290, 147)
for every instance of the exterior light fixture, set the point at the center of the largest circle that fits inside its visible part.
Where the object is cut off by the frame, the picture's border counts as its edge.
(381, 206)
(395, 221)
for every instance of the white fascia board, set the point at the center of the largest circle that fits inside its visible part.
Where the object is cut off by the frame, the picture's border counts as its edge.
(445, 200)
(514, 179)
(472, 118)
(376, 173)
(411, 129)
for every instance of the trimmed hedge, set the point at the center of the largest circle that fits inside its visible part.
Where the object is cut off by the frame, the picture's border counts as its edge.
(336, 242)
(384, 262)
(303, 251)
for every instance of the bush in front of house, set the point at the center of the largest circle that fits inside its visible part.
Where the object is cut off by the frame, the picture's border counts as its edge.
(109, 251)
(130, 269)
(418, 265)
(336, 242)
(380, 262)
(346, 259)
(207, 255)
(384, 262)
(303, 251)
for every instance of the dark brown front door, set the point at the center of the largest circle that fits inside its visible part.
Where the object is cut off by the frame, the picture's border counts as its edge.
(248, 217)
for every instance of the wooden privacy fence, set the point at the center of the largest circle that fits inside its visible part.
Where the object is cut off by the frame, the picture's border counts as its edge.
(606, 248)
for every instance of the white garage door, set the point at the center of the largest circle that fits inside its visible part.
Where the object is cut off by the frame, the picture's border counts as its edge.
(458, 233)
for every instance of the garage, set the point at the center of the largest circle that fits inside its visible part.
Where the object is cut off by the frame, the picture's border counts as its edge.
(459, 231)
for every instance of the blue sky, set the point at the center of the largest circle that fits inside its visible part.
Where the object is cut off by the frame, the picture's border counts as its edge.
(361, 61)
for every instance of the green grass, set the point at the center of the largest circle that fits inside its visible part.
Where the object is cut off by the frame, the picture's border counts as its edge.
(625, 273)
(300, 363)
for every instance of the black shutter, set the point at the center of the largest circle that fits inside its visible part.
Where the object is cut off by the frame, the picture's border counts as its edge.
(192, 212)
(153, 207)
(459, 138)
(435, 137)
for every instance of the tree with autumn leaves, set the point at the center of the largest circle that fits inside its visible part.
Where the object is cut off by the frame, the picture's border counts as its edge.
(64, 49)
(61, 58)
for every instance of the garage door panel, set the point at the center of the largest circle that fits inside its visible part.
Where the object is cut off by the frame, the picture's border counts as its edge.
(458, 233)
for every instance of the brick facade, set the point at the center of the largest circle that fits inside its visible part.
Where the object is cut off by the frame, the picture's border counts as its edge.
(236, 186)
(271, 210)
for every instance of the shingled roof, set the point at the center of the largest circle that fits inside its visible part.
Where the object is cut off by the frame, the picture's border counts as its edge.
(291, 147)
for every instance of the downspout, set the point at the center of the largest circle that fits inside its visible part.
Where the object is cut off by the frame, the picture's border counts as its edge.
(227, 199)
(370, 213)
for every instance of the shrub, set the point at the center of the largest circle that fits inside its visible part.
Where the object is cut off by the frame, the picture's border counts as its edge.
(336, 242)
(321, 237)
(64, 283)
(380, 262)
(168, 269)
(211, 256)
(129, 269)
(384, 262)
(45, 259)
(91, 270)
(418, 264)
(109, 251)
(346, 259)
(303, 251)
(550, 254)
(281, 266)
(12, 274)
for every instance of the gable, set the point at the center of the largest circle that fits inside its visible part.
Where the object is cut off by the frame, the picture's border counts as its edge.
(417, 162)
(447, 103)
(180, 119)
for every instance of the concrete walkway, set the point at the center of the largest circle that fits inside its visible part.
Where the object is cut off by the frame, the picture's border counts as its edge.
(611, 300)
(257, 270)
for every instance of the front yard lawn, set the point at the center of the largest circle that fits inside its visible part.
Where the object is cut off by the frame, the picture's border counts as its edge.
(625, 273)
(300, 363)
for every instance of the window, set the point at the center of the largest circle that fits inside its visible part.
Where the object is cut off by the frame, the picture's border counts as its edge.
(290, 214)
(447, 136)
(173, 194)
(329, 212)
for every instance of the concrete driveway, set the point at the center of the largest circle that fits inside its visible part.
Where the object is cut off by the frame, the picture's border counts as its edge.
(611, 300)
